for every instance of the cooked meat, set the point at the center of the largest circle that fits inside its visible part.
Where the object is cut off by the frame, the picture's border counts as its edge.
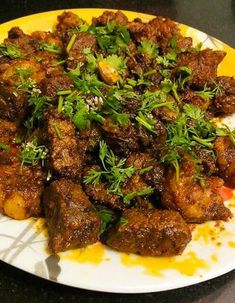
(33, 70)
(203, 65)
(71, 219)
(225, 101)
(154, 171)
(13, 104)
(25, 43)
(50, 86)
(76, 53)
(99, 194)
(60, 136)
(159, 30)
(108, 16)
(66, 21)
(150, 233)
(195, 202)
(120, 137)
(191, 97)
(21, 188)
(118, 114)
(225, 150)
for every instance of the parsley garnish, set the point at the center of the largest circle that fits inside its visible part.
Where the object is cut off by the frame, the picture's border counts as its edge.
(106, 216)
(10, 50)
(32, 154)
(38, 104)
(226, 131)
(123, 221)
(148, 48)
(113, 172)
(26, 84)
(137, 193)
(4, 147)
(50, 47)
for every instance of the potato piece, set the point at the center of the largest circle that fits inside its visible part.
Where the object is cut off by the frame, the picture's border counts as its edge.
(15, 207)
(108, 73)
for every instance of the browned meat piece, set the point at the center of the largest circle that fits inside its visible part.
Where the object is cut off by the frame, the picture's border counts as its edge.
(225, 150)
(50, 86)
(60, 136)
(191, 97)
(155, 141)
(76, 52)
(120, 138)
(208, 161)
(99, 193)
(48, 38)
(225, 101)
(66, 21)
(20, 186)
(159, 30)
(89, 138)
(154, 175)
(150, 233)
(203, 65)
(71, 219)
(11, 75)
(20, 190)
(12, 104)
(195, 203)
(25, 43)
(108, 16)
(49, 59)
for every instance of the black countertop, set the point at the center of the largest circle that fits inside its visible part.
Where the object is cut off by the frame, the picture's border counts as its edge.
(217, 18)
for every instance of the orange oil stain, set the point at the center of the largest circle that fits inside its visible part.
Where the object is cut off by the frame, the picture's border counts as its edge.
(92, 254)
(40, 227)
(187, 265)
(231, 244)
(206, 232)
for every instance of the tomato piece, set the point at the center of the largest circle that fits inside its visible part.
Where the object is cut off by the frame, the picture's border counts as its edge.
(226, 193)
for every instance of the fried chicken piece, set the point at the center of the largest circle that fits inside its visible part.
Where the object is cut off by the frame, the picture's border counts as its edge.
(71, 219)
(150, 233)
(195, 203)
(225, 151)
(50, 86)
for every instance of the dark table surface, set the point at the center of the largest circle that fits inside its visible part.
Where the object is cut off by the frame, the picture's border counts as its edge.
(217, 18)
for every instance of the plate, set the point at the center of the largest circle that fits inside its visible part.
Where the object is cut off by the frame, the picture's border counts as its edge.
(211, 253)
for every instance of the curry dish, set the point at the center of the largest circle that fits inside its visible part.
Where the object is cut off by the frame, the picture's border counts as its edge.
(109, 131)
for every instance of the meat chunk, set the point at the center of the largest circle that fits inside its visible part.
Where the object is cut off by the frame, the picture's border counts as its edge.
(203, 65)
(150, 233)
(195, 203)
(108, 16)
(50, 86)
(20, 190)
(60, 136)
(66, 21)
(225, 150)
(76, 53)
(71, 219)
(25, 43)
(152, 170)
(160, 30)
(99, 194)
(26, 69)
(120, 138)
(225, 101)
(191, 97)
(13, 104)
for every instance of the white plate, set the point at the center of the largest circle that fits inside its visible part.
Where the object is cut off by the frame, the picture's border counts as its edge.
(211, 253)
